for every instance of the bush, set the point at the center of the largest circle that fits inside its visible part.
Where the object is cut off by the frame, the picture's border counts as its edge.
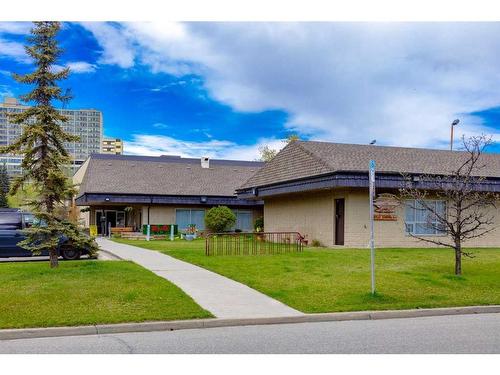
(258, 226)
(219, 219)
(315, 243)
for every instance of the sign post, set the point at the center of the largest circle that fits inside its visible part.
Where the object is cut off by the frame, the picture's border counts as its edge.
(372, 240)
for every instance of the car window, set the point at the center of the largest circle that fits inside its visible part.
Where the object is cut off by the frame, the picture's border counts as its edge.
(29, 220)
(10, 220)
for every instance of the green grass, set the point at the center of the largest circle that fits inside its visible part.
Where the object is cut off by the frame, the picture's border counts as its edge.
(88, 292)
(326, 280)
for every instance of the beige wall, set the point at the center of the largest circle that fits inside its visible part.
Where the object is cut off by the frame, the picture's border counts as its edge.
(312, 215)
(158, 215)
(78, 176)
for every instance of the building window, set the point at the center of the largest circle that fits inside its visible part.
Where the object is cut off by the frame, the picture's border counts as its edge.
(244, 220)
(184, 218)
(421, 221)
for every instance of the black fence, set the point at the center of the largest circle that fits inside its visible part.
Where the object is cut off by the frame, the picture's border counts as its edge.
(263, 243)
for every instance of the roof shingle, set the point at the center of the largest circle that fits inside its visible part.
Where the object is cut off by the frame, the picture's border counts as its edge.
(302, 159)
(164, 175)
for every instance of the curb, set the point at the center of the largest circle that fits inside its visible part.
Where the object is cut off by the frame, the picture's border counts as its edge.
(100, 329)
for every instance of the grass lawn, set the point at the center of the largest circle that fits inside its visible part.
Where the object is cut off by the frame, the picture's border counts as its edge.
(327, 280)
(88, 292)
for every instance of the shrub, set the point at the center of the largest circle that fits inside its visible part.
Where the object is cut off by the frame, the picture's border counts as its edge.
(219, 219)
(258, 226)
(315, 243)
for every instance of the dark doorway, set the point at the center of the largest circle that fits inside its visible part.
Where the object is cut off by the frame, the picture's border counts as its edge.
(101, 225)
(110, 218)
(339, 221)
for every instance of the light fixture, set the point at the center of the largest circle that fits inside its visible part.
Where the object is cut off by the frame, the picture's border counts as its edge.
(453, 124)
(203, 199)
(106, 199)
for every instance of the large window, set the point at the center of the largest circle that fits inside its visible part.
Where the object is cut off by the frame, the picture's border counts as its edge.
(421, 221)
(186, 217)
(244, 220)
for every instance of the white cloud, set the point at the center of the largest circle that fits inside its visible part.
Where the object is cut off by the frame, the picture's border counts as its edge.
(81, 67)
(13, 50)
(20, 28)
(116, 49)
(160, 125)
(76, 67)
(5, 92)
(156, 145)
(399, 83)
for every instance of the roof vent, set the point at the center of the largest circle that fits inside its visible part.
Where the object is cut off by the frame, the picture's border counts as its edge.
(205, 162)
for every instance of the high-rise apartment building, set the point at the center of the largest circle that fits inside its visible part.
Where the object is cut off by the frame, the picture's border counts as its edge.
(112, 146)
(85, 123)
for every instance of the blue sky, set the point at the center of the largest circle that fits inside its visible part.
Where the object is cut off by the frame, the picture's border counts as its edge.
(226, 89)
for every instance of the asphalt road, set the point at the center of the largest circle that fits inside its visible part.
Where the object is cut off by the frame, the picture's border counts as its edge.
(444, 334)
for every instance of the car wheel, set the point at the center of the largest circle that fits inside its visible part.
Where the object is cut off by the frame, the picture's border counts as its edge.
(70, 253)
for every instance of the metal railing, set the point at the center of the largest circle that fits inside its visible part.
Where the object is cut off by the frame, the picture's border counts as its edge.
(260, 243)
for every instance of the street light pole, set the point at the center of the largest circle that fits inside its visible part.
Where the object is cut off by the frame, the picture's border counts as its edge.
(453, 124)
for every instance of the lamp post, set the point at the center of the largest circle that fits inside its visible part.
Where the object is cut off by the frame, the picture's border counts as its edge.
(453, 124)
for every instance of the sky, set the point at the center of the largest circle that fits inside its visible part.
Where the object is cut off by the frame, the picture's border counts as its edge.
(225, 89)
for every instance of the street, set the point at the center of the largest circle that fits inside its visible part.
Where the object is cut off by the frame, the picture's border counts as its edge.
(443, 334)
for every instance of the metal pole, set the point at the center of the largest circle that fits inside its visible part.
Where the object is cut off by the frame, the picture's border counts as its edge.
(171, 232)
(372, 237)
(451, 138)
(148, 232)
(109, 229)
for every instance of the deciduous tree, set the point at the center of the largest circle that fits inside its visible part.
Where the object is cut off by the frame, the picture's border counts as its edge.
(469, 208)
(267, 153)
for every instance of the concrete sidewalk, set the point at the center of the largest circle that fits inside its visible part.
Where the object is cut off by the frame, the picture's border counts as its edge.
(223, 297)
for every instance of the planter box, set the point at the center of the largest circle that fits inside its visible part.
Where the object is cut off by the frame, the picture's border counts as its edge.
(163, 229)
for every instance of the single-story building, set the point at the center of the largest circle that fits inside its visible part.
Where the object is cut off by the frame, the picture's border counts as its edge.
(320, 189)
(132, 191)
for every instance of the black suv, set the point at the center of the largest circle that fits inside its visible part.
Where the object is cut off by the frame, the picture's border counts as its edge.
(12, 222)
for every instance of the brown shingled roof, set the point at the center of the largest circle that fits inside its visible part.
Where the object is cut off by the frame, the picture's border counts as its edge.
(302, 159)
(127, 174)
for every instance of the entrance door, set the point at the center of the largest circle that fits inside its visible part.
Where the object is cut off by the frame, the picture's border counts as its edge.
(101, 224)
(110, 218)
(339, 221)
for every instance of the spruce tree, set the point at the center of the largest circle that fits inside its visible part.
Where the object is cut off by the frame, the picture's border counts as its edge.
(42, 145)
(4, 186)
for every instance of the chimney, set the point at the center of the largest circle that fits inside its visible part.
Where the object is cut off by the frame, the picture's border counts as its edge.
(205, 162)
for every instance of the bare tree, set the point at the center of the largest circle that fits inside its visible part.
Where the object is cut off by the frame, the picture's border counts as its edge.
(468, 209)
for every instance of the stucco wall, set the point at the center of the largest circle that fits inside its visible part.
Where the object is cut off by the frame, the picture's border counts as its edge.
(392, 233)
(158, 215)
(313, 215)
(310, 214)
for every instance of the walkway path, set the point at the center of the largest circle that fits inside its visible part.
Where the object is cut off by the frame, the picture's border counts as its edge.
(223, 297)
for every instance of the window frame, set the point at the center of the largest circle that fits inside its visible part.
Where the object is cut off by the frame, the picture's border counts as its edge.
(190, 217)
(415, 224)
(243, 211)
